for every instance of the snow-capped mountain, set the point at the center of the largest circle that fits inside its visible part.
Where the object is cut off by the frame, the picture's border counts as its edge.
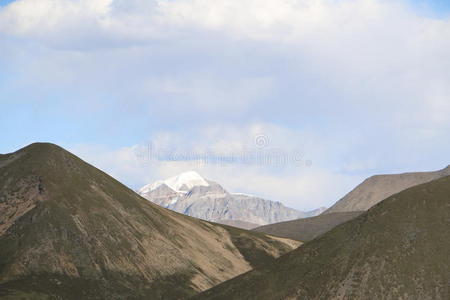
(190, 194)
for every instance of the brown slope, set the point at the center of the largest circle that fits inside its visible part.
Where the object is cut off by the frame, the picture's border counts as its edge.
(70, 231)
(399, 249)
(308, 228)
(377, 188)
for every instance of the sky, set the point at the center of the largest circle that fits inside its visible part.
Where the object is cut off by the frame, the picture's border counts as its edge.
(293, 100)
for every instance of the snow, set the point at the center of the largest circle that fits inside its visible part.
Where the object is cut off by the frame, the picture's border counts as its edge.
(185, 181)
(180, 183)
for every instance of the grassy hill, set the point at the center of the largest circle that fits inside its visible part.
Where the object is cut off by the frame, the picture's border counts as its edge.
(70, 231)
(399, 249)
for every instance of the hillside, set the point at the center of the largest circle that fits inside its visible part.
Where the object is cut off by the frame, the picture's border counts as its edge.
(70, 231)
(399, 249)
(377, 188)
(308, 228)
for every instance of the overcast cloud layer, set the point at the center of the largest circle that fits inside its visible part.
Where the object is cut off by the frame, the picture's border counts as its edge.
(341, 89)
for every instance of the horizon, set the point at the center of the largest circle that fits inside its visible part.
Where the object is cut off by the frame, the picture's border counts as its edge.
(292, 101)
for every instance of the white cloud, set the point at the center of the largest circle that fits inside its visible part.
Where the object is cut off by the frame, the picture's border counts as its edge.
(291, 180)
(46, 17)
(226, 138)
(368, 54)
(357, 85)
(207, 93)
(303, 188)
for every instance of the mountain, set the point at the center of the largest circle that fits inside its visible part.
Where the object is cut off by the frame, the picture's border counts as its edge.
(398, 249)
(377, 188)
(308, 228)
(190, 194)
(70, 231)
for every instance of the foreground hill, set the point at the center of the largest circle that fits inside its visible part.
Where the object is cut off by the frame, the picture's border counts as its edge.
(70, 231)
(399, 249)
(308, 228)
(190, 194)
(377, 188)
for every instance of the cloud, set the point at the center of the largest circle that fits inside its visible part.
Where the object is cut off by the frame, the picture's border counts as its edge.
(301, 189)
(359, 86)
(280, 169)
(359, 55)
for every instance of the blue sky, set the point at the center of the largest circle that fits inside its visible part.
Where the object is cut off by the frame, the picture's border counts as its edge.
(438, 6)
(341, 89)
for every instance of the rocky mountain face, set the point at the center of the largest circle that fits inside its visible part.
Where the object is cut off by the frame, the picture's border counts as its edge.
(377, 188)
(70, 231)
(190, 194)
(398, 249)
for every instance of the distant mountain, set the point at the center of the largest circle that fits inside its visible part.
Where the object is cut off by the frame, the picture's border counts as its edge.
(379, 187)
(308, 228)
(70, 231)
(192, 195)
(398, 249)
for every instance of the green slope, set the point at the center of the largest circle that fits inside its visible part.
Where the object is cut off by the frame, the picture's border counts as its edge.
(399, 249)
(70, 231)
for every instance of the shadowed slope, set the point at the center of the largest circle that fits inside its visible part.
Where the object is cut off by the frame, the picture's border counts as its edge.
(69, 230)
(399, 249)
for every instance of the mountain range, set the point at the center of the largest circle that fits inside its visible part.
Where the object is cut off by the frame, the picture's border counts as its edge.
(70, 231)
(192, 195)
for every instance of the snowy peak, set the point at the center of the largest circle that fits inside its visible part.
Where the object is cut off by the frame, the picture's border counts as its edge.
(185, 181)
(180, 183)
